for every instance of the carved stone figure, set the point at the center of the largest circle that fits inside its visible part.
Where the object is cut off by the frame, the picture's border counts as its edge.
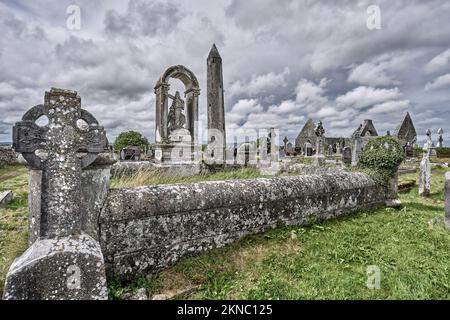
(176, 118)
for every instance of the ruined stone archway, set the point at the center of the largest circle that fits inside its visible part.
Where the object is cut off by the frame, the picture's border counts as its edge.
(164, 143)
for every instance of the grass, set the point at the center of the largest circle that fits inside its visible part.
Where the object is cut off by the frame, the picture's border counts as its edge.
(323, 261)
(13, 218)
(156, 177)
(327, 260)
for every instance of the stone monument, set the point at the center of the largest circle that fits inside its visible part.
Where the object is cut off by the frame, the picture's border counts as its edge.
(176, 133)
(319, 158)
(216, 107)
(447, 200)
(425, 174)
(357, 148)
(65, 261)
(440, 140)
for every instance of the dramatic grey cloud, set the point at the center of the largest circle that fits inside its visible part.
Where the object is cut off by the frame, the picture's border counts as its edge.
(284, 61)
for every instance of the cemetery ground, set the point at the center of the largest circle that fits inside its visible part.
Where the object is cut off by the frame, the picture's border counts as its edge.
(327, 260)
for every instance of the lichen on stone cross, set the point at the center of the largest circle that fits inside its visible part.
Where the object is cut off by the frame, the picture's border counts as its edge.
(61, 140)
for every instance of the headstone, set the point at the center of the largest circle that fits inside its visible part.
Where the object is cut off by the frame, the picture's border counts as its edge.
(330, 150)
(5, 198)
(289, 149)
(357, 148)
(425, 175)
(409, 152)
(65, 262)
(338, 148)
(347, 155)
(447, 200)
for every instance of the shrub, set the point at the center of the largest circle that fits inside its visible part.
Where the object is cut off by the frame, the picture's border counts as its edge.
(381, 158)
(443, 152)
(130, 139)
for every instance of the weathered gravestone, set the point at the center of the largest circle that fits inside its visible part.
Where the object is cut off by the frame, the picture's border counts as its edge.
(319, 158)
(447, 200)
(425, 174)
(347, 155)
(357, 148)
(65, 262)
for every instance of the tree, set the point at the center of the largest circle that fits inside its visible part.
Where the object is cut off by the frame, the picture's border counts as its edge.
(130, 139)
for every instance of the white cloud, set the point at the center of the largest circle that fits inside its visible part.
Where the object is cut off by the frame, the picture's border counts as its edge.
(371, 74)
(439, 83)
(264, 83)
(441, 62)
(363, 97)
(390, 106)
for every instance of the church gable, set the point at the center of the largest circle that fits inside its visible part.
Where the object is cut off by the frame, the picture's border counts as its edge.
(406, 130)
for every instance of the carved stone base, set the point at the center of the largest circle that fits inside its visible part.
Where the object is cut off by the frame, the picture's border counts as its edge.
(176, 153)
(69, 268)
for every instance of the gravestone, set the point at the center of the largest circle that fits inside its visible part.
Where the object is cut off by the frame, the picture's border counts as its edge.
(357, 148)
(425, 175)
(290, 149)
(131, 153)
(65, 262)
(330, 150)
(447, 200)
(338, 148)
(347, 155)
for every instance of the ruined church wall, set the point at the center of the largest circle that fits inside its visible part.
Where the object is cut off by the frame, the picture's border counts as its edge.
(145, 229)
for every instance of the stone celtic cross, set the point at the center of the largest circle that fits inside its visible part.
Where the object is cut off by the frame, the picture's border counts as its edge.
(65, 262)
(60, 149)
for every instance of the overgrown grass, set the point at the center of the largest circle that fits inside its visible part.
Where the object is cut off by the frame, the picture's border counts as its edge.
(155, 177)
(13, 218)
(327, 260)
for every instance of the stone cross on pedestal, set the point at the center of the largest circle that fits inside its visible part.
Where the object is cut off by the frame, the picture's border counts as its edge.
(285, 141)
(65, 262)
(319, 158)
(440, 140)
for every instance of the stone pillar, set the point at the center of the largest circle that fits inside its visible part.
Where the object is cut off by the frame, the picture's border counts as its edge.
(215, 99)
(319, 158)
(64, 261)
(447, 200)
(161, 109)
(358, 144)
(425, 175)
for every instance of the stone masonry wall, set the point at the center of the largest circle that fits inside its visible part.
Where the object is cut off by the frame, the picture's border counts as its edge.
(143, 230)
(7, 156)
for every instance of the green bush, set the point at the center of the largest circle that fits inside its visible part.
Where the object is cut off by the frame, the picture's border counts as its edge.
(417, 152)
(443, 152)
(130, 139)
(381, 158)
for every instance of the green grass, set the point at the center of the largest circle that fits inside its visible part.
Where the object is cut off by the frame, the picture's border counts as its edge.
(13, 218)
(327, 260)
(155, 177)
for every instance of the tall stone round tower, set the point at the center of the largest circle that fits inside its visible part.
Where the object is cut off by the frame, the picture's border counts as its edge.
(215, 100)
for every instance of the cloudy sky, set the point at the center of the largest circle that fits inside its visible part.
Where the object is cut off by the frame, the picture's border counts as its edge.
(284, 61)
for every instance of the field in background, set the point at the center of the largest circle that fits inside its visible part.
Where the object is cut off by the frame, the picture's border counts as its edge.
(323, 261)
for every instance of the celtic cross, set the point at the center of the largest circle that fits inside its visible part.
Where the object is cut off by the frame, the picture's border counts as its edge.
(60, 149)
